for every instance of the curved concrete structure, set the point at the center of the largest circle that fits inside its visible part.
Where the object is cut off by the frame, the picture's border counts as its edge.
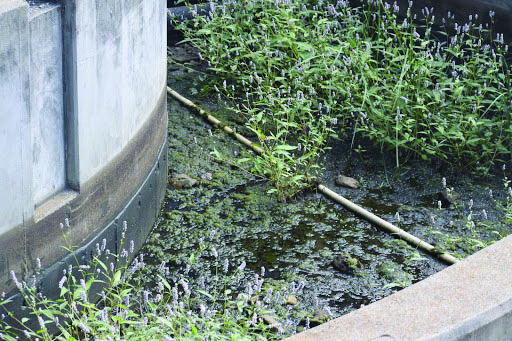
(83, 127)
(471, 300)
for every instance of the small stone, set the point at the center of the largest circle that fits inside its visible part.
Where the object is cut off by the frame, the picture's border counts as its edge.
(345, 181)
(179, 181)
(346, 264)
(207, 176)
(272, 322)
(393, 272)
(291, 300)
(448, 196)
(318, 318)
(320, 315)
(254, 299)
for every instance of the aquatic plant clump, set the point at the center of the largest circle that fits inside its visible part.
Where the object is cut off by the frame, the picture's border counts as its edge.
(128, 308)
(302, 72)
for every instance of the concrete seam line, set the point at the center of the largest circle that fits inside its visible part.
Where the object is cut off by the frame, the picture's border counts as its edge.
(409, 238)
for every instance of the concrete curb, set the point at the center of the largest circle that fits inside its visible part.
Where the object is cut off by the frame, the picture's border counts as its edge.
(471, 300)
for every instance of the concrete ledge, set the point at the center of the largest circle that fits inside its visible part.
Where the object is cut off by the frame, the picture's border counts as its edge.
(471, 300)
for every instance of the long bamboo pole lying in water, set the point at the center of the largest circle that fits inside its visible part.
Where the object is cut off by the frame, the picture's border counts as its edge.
(398, 232)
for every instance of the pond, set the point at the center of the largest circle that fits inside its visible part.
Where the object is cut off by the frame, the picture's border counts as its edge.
(227, 218)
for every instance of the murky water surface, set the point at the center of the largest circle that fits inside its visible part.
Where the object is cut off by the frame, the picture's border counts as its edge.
(297, 241)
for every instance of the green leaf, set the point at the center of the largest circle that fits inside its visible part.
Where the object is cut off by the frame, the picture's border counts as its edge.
(202, 292)
(216, 153)
(285, 147)
(204, 31)
(243, 160)
(117, 278)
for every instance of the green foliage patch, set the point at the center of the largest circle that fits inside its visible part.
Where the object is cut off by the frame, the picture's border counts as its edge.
(302, 72)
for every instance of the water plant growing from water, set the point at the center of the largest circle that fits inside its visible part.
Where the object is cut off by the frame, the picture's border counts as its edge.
(472, 229)
(170, 310)
(301, 73)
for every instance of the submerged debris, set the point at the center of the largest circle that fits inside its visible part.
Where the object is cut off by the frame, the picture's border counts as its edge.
(345, 181)
(346, 264)
(393, 272)
(179, 181)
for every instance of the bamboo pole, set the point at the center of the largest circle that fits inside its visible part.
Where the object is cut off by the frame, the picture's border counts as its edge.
(409, 238)
(387, 226)
(213, 120)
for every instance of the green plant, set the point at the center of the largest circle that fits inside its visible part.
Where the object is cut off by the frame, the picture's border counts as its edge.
(471, 235)
(124, 309)
(302, 72)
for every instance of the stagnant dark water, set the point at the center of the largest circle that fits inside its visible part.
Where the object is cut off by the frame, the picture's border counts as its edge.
(297, 241)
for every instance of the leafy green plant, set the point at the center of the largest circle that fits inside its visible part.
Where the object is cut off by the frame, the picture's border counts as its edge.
(126, 310)
(302, 72)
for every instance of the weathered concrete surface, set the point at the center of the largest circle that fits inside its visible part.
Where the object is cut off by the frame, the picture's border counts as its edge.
(120, 52)
(99, 202)
(46, 101)
(98, 158)
(15, 142)
(140, 211)
(471, 300)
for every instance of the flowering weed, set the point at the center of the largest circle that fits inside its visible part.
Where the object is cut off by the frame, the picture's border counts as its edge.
(302, 72)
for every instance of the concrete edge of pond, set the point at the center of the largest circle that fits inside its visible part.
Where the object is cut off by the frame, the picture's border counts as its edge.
(470, 300)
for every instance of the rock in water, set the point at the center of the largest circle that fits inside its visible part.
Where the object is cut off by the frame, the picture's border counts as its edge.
(319, 318)
(272, 322)
(448, 196)
(393, 272)
(346, 264)
(291, 300)
(179, 181)
(345, 181)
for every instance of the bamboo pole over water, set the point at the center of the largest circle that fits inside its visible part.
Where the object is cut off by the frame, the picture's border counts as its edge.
(213, 120)
(385, 225)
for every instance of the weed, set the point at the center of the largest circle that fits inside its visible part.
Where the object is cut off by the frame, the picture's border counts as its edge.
(302, 72)
(170, 310)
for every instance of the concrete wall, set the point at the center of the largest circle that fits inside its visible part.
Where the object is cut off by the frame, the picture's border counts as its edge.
(16, 158)
(77, 82)
(46, 101)
(83, 127)
(120, 54)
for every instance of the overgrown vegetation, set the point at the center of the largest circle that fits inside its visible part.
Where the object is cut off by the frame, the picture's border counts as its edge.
(301, 72)
(128, 310)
